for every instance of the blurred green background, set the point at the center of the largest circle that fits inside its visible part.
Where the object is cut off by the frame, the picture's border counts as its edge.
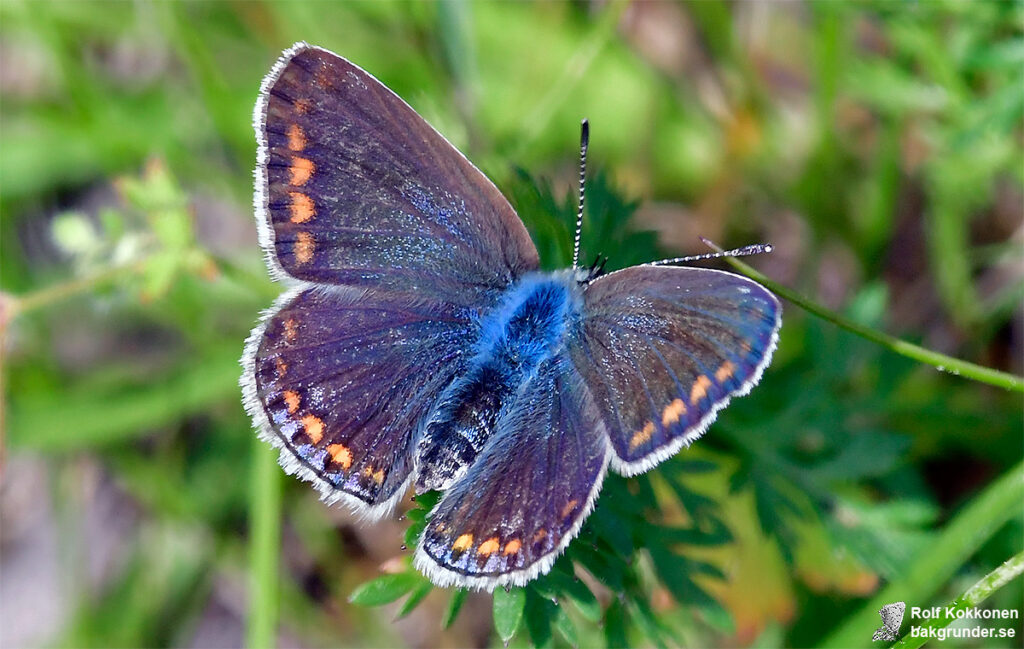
(877, 145)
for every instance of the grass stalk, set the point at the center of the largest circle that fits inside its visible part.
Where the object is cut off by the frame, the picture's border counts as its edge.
(264, 547)
(939, 361)
(974, 596)
(950, 550)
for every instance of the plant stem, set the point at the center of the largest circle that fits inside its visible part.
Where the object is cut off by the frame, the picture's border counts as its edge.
(975, 595)
(939, 361)
(44, 297)
(971, 527)
(264, 546)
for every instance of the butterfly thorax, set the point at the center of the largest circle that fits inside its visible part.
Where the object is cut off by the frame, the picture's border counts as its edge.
(529, 326)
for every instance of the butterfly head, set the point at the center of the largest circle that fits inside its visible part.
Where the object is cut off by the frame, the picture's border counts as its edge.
(595, 270)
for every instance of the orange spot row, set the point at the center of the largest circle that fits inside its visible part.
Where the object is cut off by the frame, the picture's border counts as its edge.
(725, 372)
(700, 389)
(281, 367)
(291, 399)
(296, 138)
(314, 428)
(301, 170)
(377, 476)
(302, 207)
(340, 455)
(291, 331)
(302, 106)
(488, 547)
(642, 436)
(303, 248)
(673, 412)
(569, 506)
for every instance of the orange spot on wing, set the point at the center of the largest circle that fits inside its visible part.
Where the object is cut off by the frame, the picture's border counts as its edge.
(301, 170)
(642, 436)
(463, 543)
(281, 366)
(725, 372)
(700, 389)
(488, 547)
(745, 346)
(540, 534)
(296, 138)
(340, 455)
(303, 247)
(291, 330)
(378, 476)
(302, 106)
(673, 412)
(512, 547)
(302, 207)
(314, 428)
(323, 77)
(569, 506)
(291, 399)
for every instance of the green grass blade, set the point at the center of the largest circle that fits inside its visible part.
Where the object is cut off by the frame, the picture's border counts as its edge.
(978, 521)
(264, 546)
(938, 361)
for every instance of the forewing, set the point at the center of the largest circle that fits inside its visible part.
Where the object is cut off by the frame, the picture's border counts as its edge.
(340, 379)
(527, 494)
(353, 187)
(664, 348)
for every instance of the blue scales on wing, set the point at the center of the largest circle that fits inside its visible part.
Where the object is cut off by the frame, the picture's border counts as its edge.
(358, 189)
(394, 245)
(528, 492)
(341, 382)
(664, 348)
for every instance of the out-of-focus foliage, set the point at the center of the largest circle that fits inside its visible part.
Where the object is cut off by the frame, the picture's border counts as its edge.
(877, 145)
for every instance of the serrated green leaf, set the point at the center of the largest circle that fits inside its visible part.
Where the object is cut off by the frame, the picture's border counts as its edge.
(427, 500)
(413, 532)
(416, 515)
(454, 606)
(508, 611)
(385, 589)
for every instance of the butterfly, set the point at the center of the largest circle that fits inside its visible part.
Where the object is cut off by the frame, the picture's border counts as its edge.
(419, 345)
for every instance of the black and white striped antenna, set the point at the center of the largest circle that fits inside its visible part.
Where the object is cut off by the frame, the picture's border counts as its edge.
(584, 143)
(753, 249)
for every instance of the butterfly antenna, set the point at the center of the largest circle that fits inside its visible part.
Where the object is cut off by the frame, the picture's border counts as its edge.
(754, 249)
(584, 143)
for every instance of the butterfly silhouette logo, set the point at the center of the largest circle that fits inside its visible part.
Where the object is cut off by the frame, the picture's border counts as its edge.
(419, 345)
(892, 618)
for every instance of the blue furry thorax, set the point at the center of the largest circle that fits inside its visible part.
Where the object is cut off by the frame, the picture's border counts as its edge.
(531, 321)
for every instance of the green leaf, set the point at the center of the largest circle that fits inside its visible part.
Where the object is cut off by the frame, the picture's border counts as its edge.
(417, 596)
(413, 532)
(538, 619)
(508, 611)
(385, 589)
(577, 592)
(427, 500)
(454, 606)
(615, 626)
(565, 626)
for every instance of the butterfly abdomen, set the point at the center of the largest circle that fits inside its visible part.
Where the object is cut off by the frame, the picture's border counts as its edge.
(529, 325)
